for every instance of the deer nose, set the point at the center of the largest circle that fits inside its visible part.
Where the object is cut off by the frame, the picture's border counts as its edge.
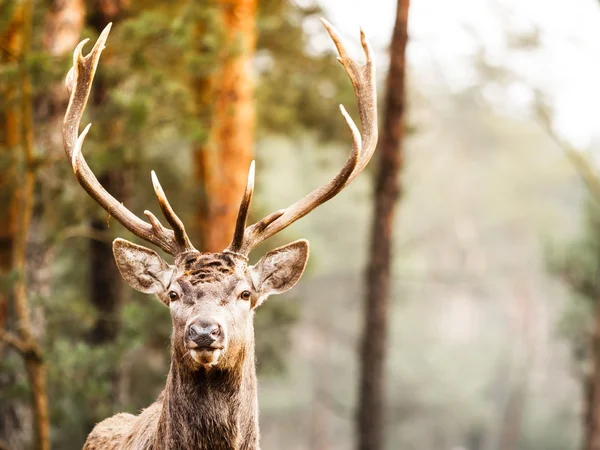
(203, 334)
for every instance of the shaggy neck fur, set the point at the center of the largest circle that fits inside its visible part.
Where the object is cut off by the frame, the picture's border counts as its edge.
(215, 409)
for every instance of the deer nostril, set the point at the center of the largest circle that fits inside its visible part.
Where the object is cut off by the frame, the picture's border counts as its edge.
(215, 331)
(194, 331)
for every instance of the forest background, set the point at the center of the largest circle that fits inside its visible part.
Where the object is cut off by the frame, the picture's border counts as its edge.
(493, 312)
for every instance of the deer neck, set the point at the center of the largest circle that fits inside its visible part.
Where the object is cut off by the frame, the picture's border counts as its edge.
(210, 409)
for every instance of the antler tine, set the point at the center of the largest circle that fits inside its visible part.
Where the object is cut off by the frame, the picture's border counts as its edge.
(365, 93)
(240, 223)
(79, 83)
(178, 228)
(363, 81)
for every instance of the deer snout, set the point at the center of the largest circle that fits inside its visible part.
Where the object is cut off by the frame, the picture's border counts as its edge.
(204, 334)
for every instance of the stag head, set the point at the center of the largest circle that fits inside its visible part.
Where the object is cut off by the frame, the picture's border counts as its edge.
(212, 296)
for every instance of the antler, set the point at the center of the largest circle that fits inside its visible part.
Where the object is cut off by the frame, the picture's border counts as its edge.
(79, 82)
(363, 81)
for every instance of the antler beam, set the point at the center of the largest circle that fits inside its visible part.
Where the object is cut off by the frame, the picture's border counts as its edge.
(363, 81)
(79, 83)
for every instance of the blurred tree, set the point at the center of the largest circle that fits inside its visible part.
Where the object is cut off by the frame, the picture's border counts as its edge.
(222, 158)
(10, 43)
(579, 265)
(105, 286)
(370, 414)
(13, 428)
(10, 47)
(63, 26)
(18, 141)
(294, 91)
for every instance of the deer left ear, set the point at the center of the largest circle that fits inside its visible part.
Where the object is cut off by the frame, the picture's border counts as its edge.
(280, 269)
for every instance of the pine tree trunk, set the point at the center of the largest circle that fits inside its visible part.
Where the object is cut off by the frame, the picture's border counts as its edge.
(62, 32)
(10, 140)
(16, 422)
(370, 416)
(18, 139)
(222, 161)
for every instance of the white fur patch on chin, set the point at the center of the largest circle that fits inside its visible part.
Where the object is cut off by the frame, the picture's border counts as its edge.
(205, 357)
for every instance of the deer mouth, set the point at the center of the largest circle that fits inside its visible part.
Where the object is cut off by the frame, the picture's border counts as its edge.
(206, 356)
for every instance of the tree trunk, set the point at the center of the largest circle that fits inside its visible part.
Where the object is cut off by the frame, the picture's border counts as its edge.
(105, 283)
(18, 138)
(221, 163)
(10, 140)
(16, 416)
(105, 280)
(64, 24)
(592, 390)
(370, 415)
(62, 32)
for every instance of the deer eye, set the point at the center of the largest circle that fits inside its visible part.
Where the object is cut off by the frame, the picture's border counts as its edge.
(173, 296)
(245, 295)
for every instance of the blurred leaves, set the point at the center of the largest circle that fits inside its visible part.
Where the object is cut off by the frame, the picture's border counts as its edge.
(577, 263)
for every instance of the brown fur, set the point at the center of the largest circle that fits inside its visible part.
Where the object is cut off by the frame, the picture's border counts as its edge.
(204, 410)
(204, 407)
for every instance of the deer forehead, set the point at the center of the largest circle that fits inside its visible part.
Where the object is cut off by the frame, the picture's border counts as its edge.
(198, 268)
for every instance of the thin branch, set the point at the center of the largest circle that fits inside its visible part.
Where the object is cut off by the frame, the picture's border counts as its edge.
(14, 341)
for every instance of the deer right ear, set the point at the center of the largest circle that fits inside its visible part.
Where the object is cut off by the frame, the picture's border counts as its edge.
(280, 269)
(141, 267)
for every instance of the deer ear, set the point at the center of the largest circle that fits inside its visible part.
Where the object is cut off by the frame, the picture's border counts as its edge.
(141, 267)
(280, 269)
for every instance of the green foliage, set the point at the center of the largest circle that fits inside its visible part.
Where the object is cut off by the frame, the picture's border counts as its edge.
(578, 265)
(579, 262)
(298, 88)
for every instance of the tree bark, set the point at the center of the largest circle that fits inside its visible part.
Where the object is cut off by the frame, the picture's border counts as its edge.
(221, 163)
(10, 139)
(370, 415)
(64, 24)
(18, 132)
(16, 415)
(62, 32)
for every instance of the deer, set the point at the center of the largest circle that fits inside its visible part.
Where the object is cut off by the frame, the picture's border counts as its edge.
(210, 399)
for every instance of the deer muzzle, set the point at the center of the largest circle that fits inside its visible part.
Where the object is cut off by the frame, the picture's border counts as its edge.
(205, 340)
